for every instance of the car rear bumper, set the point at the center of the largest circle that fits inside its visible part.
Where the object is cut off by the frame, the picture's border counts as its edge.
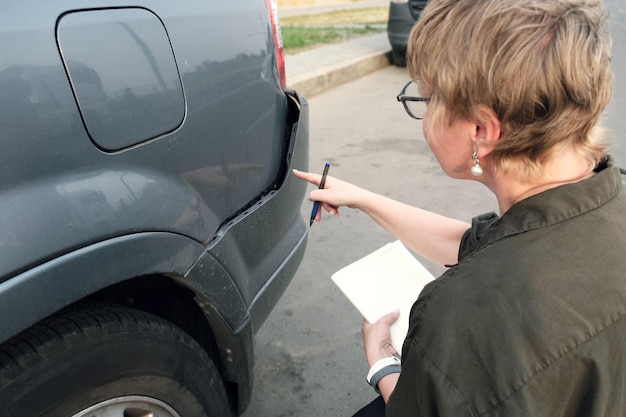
(268, 242)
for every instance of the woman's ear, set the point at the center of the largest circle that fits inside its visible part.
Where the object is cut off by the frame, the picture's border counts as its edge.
(487, 131)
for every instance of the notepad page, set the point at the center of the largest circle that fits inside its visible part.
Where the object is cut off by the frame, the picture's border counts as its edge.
(387, 279)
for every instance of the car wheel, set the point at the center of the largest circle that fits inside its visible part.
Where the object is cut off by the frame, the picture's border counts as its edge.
(398, 57)
(108, 361)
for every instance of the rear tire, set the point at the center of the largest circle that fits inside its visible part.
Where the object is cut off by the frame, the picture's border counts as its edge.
(398, 57)
(108, 359)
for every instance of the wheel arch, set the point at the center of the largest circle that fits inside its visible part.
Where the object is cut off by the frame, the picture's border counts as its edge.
(173, 298)
(149, 272)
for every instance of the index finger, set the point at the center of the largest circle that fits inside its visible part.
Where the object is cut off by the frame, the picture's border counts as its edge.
(311, 177)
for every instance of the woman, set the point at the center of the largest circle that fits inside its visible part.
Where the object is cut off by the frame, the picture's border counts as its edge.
(528, 319)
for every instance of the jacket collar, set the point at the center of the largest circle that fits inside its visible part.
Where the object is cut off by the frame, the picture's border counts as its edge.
(544, 209)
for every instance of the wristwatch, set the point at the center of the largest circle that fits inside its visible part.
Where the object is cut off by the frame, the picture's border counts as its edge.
(382, 368)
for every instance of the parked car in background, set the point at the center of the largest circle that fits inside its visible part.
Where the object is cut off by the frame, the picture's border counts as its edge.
(148, 219)
(402, 16)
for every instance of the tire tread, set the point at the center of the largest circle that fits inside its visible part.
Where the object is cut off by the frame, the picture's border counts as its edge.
(71, 328)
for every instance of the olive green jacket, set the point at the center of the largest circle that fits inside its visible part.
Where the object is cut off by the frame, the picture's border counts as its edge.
(530, 322)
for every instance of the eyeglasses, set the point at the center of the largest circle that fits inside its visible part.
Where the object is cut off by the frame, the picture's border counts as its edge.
(414, 105)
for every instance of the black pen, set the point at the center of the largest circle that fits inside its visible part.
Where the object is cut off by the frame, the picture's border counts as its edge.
(316, 204)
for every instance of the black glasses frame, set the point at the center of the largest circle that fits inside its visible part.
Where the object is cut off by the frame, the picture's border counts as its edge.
(402, 97)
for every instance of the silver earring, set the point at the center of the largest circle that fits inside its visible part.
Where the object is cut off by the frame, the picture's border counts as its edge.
(476, 170)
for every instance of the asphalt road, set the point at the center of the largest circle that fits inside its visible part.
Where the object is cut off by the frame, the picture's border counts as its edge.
(309, 359)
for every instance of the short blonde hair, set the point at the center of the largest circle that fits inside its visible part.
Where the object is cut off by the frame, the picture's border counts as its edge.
(543, 67)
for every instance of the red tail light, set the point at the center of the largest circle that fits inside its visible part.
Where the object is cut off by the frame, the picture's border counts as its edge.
(272, 9)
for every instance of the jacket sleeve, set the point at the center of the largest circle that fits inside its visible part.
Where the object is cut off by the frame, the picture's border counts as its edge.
(423, 390)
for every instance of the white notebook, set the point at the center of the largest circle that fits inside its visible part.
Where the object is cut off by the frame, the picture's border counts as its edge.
(388, 279)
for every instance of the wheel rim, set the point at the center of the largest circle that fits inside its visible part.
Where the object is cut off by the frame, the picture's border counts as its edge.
(129, 406)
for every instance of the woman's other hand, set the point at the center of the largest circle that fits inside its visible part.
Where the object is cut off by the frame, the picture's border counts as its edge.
(377, 345)
(377, 338)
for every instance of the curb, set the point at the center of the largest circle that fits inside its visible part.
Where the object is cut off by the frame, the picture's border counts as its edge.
(319, 69)
(320, 80)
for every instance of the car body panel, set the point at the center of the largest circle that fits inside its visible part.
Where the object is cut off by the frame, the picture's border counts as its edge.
(197, 186)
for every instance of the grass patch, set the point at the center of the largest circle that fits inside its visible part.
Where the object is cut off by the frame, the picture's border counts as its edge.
(305, 32)
(369, 15)
(301, 38)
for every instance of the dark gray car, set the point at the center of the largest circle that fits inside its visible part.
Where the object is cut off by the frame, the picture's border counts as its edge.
(402, 16)
(148, 219)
